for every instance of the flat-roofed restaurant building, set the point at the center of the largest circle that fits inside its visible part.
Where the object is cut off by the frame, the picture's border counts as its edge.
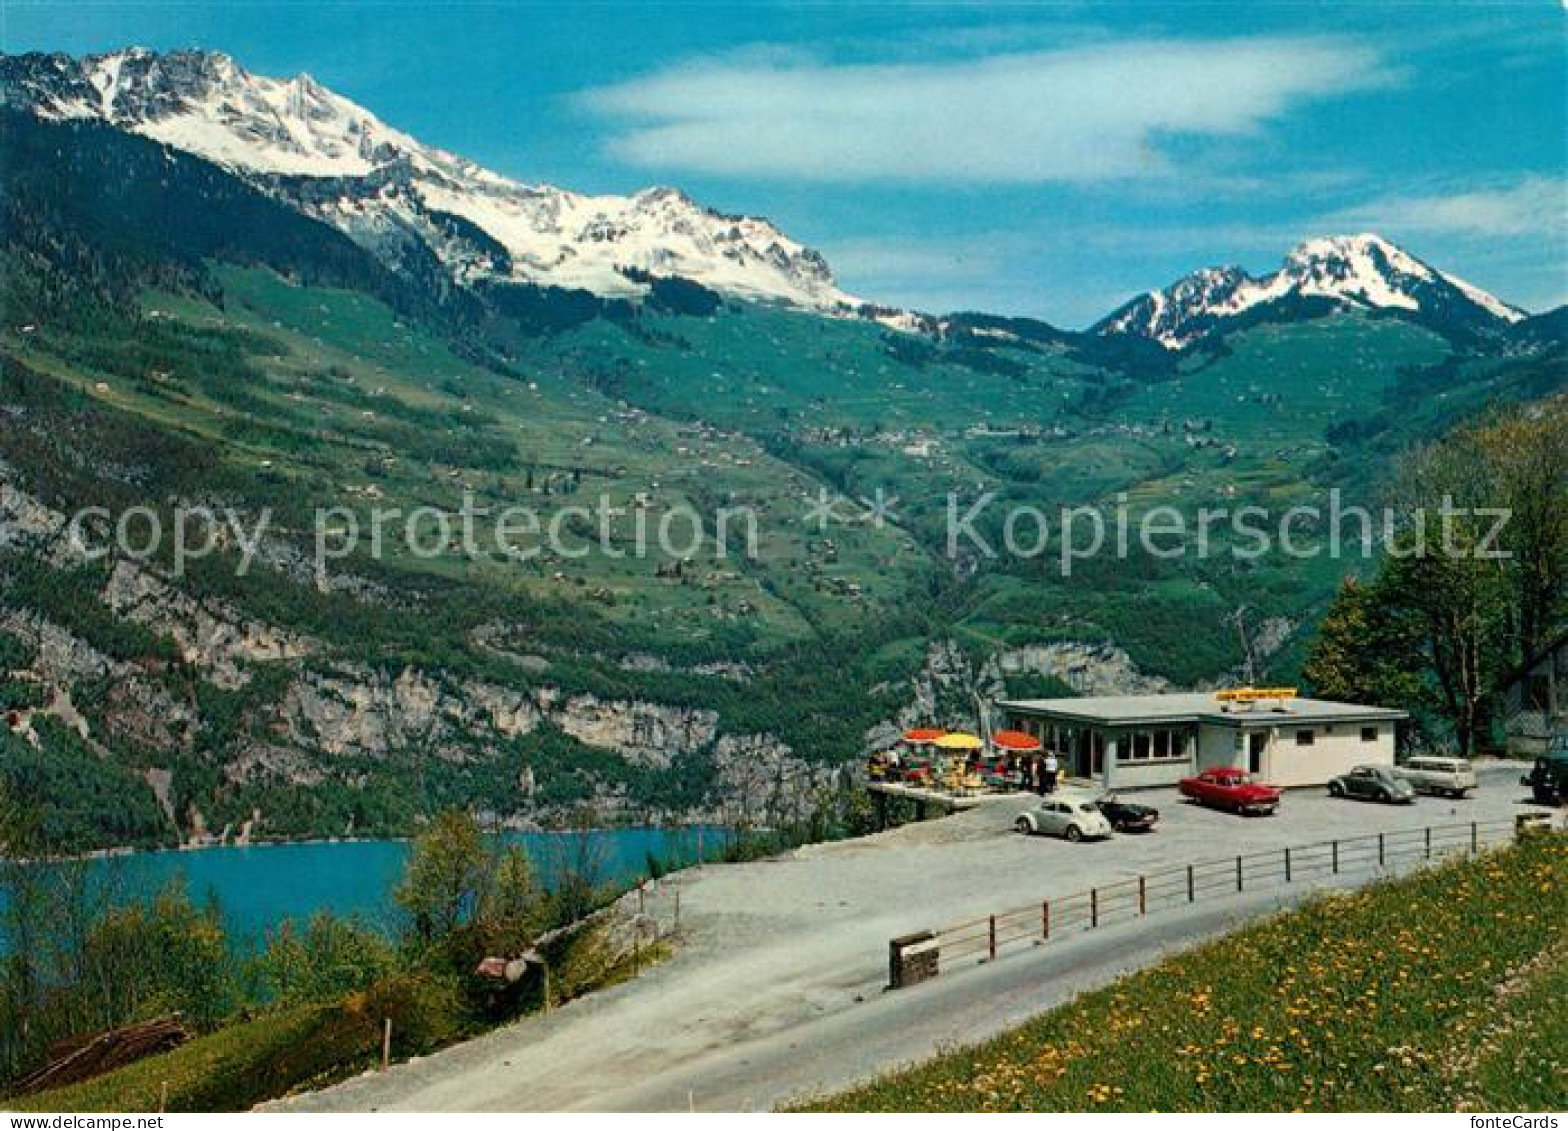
(1125, 742)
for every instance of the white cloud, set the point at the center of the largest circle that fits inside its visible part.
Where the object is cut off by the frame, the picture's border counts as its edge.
(1535, 206)
(1080, 114)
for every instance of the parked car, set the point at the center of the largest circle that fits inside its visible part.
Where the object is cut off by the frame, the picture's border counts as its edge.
(1445, 777)
(1548, 778)
(1373, 783)
(1076, 818)
(1226, 787)
(1125, 817)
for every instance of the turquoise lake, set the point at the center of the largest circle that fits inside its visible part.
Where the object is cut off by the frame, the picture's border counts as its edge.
(261, 885)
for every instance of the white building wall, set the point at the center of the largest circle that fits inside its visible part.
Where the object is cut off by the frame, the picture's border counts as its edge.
(1336, 749)
(1218, 746)
(1140, 775)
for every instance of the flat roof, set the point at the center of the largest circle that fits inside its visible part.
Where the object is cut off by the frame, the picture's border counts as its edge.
(1198, 707)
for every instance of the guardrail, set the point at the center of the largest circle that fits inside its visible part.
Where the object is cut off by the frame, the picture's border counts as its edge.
(916, 957)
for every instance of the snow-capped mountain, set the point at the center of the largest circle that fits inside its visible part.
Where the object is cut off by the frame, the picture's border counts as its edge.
(338, 162)
(1363, 271)
(431, 214)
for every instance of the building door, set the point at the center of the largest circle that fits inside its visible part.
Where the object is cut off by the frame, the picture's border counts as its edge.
(1257, 743)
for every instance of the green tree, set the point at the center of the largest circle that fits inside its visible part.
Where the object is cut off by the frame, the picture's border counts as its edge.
(1446, 572)
(445, 876)
(1367, 649)
(513, 907)
(330, 958)
(163, 955)
(577, 863)
(21, 917)
(1526, 455)
(1460, 600)
(1459, 604)
(469, 894)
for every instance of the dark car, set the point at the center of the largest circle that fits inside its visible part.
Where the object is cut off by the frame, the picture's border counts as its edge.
(1125, 817)
(1373, 783)
(1548, 778)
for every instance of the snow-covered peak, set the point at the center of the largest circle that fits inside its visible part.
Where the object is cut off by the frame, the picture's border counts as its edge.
(340, 163)
(1485, 299)
(205, 103)
(1362, 271)
(1367, 268)
(1366, 248)
(1182, 311)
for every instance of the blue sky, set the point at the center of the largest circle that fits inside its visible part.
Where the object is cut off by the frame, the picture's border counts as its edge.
(1043, 159)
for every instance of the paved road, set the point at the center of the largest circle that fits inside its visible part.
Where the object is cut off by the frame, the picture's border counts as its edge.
(776, 991)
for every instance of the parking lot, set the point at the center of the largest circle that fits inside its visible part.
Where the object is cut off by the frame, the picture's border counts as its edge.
(1187, 832)
(972, 863)
(782, 962)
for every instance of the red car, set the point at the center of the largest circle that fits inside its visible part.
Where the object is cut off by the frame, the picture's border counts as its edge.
(1233, 789)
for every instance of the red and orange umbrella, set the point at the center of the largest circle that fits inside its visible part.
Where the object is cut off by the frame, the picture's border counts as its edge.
(923, 736)
(1015, 741)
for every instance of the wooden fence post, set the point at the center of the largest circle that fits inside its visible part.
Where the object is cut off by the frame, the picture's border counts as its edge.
(1336, 857)
(1143, 896)
(991, 939)
(1045, 919)
(1238, 873)
(1192, 887)
(1094, 907)
(1475, 839)
(1429, 842)
(386, 1043)
(1287, 865)
(1382, 856)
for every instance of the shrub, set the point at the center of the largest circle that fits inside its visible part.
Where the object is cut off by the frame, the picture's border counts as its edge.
(330, 958)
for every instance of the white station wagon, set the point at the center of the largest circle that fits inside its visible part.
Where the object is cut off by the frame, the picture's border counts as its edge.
(1446, 777)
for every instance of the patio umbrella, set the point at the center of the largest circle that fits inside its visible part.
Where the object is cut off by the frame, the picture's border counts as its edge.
(959, 741)
(922, 736)
(1015, 741)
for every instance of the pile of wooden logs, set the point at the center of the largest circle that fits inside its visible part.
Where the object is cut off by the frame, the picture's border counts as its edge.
(82, 1058)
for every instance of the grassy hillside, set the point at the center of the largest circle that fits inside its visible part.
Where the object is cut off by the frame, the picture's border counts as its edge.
(270, 366)
(1439, 992)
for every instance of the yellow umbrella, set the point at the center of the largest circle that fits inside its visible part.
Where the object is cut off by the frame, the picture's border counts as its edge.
(959, 741)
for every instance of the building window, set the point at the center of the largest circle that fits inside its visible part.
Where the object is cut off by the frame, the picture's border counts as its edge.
(1537, 693)
(1166, 745)
(1305, 738)
(1369, 734)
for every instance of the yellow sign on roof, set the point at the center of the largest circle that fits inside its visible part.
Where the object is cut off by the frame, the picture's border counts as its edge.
(1253, 694)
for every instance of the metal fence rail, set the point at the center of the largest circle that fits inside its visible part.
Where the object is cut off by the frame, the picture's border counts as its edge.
(916, 957)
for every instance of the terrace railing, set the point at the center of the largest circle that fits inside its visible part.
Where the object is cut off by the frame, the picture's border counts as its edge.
(921, 955)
